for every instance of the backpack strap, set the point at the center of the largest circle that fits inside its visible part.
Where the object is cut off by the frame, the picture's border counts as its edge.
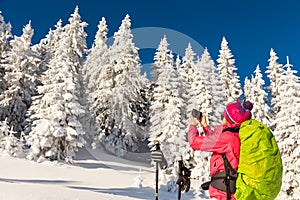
(228, 169)
(232, 129)
(225, 180)
(227, 164)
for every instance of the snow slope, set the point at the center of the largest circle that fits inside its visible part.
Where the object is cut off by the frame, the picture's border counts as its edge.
(95, 175)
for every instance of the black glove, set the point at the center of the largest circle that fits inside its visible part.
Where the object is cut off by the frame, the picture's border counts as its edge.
(158, 156)
(205, 186)
(183, 180)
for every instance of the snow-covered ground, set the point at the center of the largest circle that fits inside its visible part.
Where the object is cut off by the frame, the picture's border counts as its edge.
(95, 175)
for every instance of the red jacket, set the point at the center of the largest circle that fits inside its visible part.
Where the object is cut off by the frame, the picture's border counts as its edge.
(217, 142)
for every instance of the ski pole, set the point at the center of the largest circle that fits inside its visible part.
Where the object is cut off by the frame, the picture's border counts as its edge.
(156, 174)
(156, 194)
(179, 192)
(179, 179)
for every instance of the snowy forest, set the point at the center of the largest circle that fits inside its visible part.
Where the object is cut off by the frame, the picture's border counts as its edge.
(58, 96)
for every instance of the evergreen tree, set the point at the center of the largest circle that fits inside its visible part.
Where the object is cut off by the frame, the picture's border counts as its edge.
(123, 86)
(10, 144)
(45, 50)
(97, 57)
(76, 39)
(46, 47)
(20, 68)
(57, 132)
(201, 100)
(256, 93)
(5, 35)
(247, 88)
(94, 73)
(227, 68)
(177, 62)
(200, 94)
(77, 47)
(287, 132)
(214, 86)
(187, 68)
(162, 56)
(167, 124)
(163, 64)
(274, 73)
(142, 106)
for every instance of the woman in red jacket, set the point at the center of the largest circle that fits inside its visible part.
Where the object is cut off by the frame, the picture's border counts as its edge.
(224, 139)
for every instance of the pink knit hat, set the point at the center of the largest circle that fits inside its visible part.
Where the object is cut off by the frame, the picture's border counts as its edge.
(238, 112)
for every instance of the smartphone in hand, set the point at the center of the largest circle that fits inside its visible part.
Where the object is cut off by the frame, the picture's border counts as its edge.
(197, 114)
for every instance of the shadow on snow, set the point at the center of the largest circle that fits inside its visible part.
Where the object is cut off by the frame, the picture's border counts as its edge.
(35, 181)
(140, 193)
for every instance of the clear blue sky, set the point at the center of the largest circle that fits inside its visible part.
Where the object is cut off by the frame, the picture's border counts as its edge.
(252, 28)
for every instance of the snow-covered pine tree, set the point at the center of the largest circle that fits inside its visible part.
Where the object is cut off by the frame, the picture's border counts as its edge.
(45, 51)
(201, 99)
(10, 144)
(96, 58)
(125, 84)
(142, 107)
(247, 88)
(138, 180)
(188, 68)
(287, 132)
(177, 62)
(46, 47)
(167, 124)
(226, 68)
(20, 68)
(162, 56)
(187, 71)
(274, 72)
(76, 41)
(56, 131)
(96, 84)
(213, 83)
(254, 91)
(5, 35)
